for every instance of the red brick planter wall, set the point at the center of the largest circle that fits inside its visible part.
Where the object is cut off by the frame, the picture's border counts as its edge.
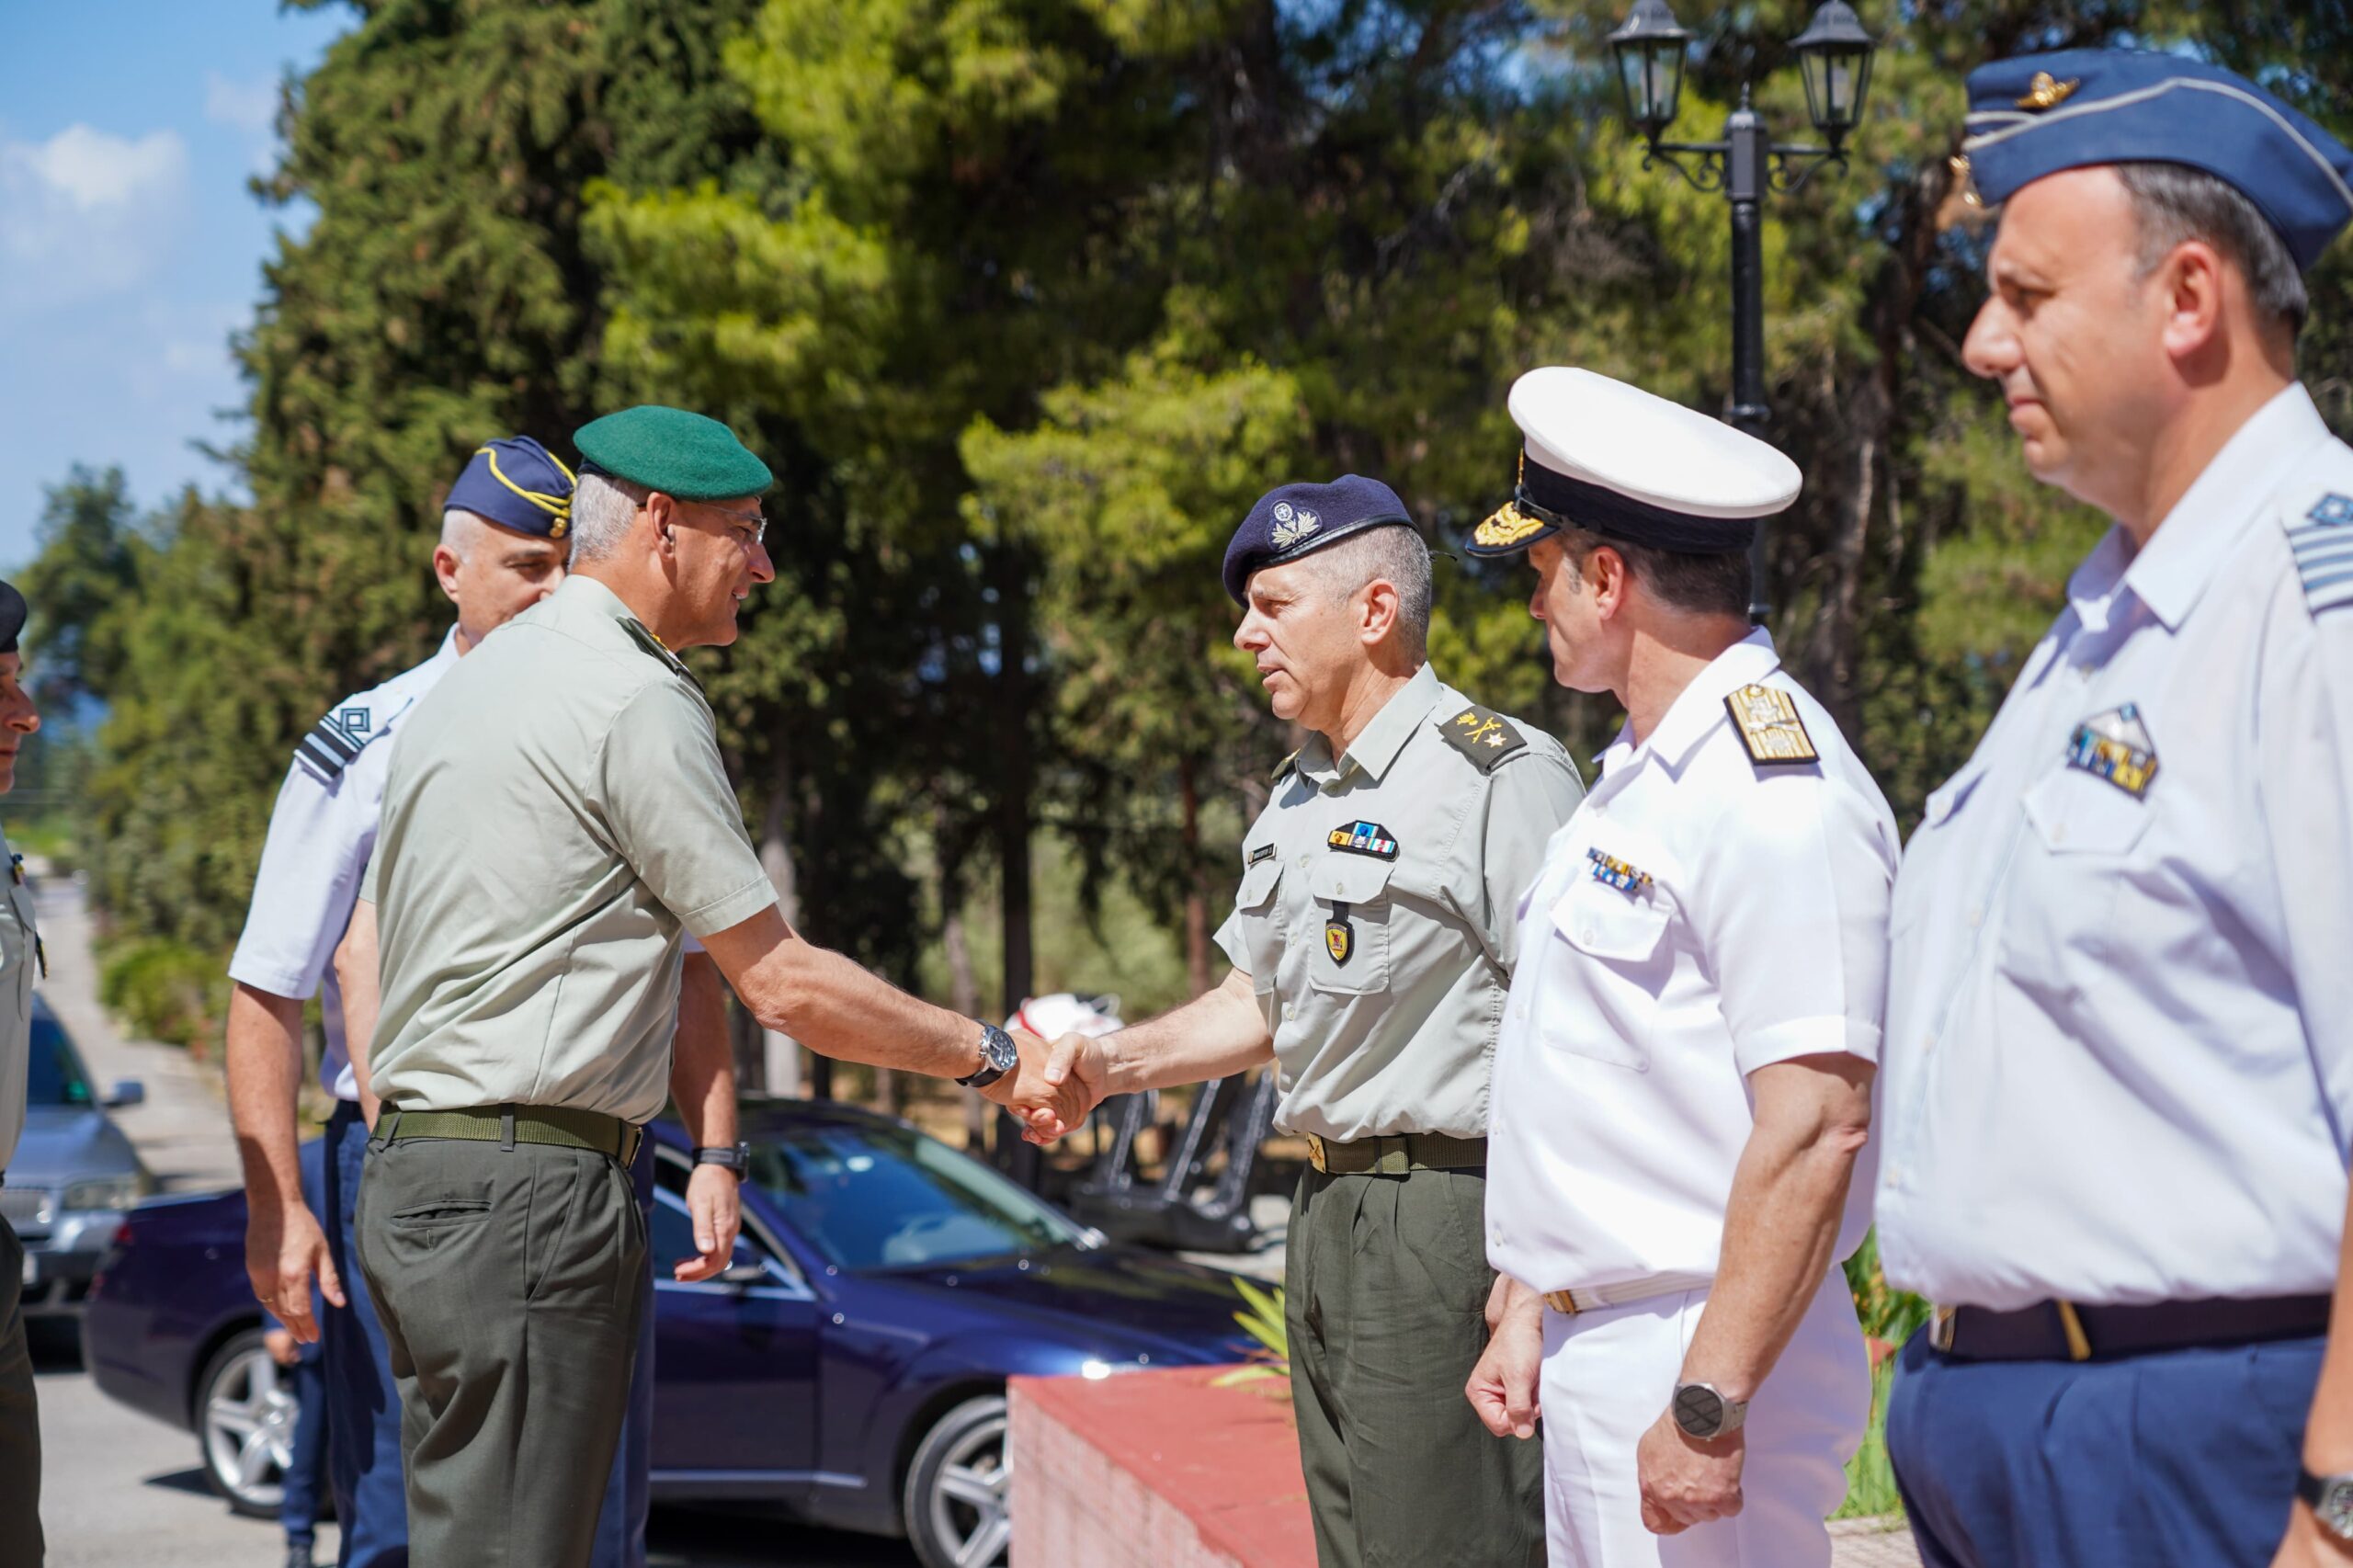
(1156, 1469)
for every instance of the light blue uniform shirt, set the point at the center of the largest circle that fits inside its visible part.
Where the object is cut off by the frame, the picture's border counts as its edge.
(321, 833)
(2119, 1064)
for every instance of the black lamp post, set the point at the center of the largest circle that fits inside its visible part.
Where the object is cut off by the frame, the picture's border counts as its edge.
(1834, 55)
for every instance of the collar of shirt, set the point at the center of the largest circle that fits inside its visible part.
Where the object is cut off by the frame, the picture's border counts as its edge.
(2188, 550)
(1380, 742)
(447, 652)
(1699, 708)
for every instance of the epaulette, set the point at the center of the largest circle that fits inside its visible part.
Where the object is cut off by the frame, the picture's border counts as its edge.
(1485, 736)
(659, 649)
(1769, 727)
(2321, 541)
(334, 742)
(1285, 769)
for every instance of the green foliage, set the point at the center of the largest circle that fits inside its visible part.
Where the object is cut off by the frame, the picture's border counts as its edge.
(1262, 1319)
(1885, 1312)
(166, 990)
(1870, 1475)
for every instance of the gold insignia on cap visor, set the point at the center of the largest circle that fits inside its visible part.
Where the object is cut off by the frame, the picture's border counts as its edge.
(2047, 91)
(1770, 726)
(1507, 527)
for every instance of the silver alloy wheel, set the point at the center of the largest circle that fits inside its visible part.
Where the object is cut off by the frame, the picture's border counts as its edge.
(249, 1410)
(968, 1499)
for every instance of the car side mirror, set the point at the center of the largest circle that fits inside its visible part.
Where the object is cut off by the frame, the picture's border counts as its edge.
(126, 1092)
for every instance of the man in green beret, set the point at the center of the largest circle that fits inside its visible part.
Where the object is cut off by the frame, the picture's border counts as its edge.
(556, 822)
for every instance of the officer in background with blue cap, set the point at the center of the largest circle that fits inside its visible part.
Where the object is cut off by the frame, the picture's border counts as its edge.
(2118, 1101)
(20, 1533)
(1683, 1086)
(504, 539)
(1372, 940)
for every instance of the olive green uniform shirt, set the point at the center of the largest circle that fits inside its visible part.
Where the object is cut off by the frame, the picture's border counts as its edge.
(1382, 958)
(556, 814)
(20, 949)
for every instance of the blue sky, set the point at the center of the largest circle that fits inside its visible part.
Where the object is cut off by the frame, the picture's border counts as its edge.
(130, 248)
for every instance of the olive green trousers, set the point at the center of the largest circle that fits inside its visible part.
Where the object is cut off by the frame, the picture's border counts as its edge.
(508, 1280)
(20, 1539)
(1385, 1299)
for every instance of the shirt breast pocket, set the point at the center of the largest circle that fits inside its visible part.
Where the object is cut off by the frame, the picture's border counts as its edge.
(2082, 833)
(1624, 936)
(1262, 922)
(1350, 894)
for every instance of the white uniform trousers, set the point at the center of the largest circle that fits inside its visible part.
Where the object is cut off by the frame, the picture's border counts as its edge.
(1608, 1376)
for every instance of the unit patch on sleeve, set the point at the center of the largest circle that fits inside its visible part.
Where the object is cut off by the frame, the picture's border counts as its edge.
(1364, 838)
(2115, 745)
(334, 742)
(2323, 545)
(1769, 727)
(1486, 738)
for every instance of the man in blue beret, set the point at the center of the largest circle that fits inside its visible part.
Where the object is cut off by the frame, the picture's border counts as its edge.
(2118, 1100)
(542, 860)
(506, 529)
(21, 1543)
(1372, 940)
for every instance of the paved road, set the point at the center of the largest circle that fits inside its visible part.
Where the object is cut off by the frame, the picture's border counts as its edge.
(120, 1490)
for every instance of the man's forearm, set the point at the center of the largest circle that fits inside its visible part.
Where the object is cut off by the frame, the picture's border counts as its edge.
(2328, 1437)
(1217, 1034)
(702, 1060)
(1781, 1222)
(356, 976)
(832, 1007)
(264, 1060)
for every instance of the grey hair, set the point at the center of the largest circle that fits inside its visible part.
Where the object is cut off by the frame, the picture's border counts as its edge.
(460, 532)
(2175, 203)
(603, 507)
(1393, 553)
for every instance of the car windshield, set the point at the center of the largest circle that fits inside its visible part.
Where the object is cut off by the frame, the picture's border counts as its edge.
(880, 1195)
(56, 1071)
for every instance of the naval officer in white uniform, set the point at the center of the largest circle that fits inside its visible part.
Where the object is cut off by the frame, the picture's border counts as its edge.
(1682, 1089)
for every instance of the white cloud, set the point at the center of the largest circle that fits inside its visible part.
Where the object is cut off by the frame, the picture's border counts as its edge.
(249, 107)
(85, 213)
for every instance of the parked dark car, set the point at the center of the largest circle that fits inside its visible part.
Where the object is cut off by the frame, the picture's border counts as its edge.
(848, 1371)
(74, 1173)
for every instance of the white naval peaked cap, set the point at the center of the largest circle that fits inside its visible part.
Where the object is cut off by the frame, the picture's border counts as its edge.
(1611, 458)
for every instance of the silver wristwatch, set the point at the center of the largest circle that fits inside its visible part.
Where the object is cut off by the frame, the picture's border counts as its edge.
(998, 1057)
(2331, 1498)
(1702, 1411)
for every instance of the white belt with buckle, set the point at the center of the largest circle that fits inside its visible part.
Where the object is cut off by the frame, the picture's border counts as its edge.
(1625, 1293)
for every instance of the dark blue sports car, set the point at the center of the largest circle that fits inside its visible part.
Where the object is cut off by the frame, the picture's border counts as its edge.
(849, 1370)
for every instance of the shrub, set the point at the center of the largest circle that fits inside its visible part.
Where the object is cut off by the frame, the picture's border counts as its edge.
(166, 990)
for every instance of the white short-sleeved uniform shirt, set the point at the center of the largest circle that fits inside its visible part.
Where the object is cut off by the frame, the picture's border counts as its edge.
(1702, 916)
(2119, 1052)
(321, 833)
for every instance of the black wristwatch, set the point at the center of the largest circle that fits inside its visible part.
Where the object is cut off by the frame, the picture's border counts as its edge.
(2331, 1499)
(1702, 1411)
(736, 1157)
(998, 1057)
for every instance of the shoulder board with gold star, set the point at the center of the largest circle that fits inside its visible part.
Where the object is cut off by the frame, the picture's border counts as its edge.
(1285, 769)
(1769, 727)
(656, 646)
(1482, 736)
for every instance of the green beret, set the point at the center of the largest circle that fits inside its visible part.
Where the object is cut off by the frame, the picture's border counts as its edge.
(681, 454)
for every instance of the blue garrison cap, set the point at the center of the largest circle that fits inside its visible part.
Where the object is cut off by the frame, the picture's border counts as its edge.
(518, 485)
(2038, 113)
(1292, 520)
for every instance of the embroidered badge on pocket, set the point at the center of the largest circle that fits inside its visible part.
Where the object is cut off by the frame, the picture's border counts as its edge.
(2115, 745)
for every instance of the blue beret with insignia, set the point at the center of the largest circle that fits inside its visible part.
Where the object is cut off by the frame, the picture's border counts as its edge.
(1292, 520)
(518, 485)
(2038, 113)
(12, 617)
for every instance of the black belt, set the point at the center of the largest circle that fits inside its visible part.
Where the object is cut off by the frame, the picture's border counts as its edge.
(2063, 1331)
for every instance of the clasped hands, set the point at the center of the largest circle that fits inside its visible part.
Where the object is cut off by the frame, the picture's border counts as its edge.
(1056, 1086)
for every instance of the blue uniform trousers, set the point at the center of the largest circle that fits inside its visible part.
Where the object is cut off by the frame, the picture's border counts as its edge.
(2182, 1458)
(363, 1407)
(306, 1476)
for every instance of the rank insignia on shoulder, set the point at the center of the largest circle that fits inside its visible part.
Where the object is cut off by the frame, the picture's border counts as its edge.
(2322, 546)
(2115, 745)
(334, 742)
(1769, 727)
(1611, 871)
(1485, 737)
(1364, 838)
(1286, 767)
(1263, 852)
